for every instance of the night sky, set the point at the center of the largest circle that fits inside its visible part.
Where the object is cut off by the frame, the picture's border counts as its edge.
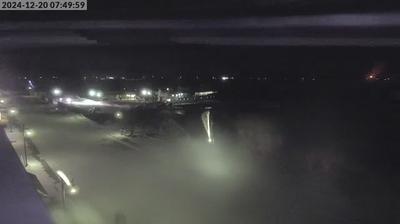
(280, 37)
(200, 60)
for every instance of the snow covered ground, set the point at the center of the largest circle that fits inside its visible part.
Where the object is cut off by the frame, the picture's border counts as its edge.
(187, 180)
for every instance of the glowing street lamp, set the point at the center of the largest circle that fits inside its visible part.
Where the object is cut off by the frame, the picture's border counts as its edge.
(73, 190)
(68, 100)
(92, 92)
(29, 132)
(13, 112)
(99, 94)
(224, 78)
(66, 186)
(118, 115)
(26, 133)
(146, 92)
(57, 91)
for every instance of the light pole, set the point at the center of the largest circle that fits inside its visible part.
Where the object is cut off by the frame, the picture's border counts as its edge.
(12, 112)
(26, 133)
(63, 193)
(24, 138)
(207, 123)
(66, 183)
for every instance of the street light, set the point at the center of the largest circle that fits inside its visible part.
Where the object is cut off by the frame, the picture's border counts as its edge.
(68, 100)
(73, 190)
(26, 133)
(29, 132)
(145, 92)
(99, 94)
(118, 115)
(224, 78)
(92, 92)
(13, 112)
(66, 186)
(57, 91)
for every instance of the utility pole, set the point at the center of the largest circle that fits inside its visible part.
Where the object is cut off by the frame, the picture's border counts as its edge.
(62, 192)
(25, 153)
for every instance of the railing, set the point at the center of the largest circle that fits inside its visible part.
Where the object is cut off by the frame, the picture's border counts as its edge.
(20, 202)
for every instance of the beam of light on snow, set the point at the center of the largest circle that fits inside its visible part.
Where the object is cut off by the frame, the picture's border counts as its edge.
(207, 124)
(87, 102)
(71, 189)
(64, 178)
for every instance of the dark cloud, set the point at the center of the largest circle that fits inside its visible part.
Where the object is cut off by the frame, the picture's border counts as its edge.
(316, 30)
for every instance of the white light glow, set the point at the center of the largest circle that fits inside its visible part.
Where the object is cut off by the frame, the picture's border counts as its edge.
(118, 115)
(92, 92)
(99, 94)
(57, 91)
(64, 178)
(87, 102)
(13, 111)
(73, 190)
(145, 92)
(205, 93)
(68, 100)
(29, 133)
(130, 95)
(207, 125)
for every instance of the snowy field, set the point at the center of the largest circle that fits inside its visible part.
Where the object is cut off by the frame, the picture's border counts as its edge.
(150, 180)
